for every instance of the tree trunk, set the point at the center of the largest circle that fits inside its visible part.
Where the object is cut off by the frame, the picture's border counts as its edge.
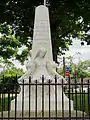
(54, 52)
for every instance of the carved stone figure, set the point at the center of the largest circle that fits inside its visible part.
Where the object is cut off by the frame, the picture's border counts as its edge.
(41, 64)
(41, 67)
(28, 65)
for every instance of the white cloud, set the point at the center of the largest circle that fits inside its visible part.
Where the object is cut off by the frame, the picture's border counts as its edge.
(18, 65)
(76, 47)
(1, 69)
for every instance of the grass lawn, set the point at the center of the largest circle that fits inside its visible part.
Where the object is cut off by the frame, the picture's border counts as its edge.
(80, 101)
(5, 101)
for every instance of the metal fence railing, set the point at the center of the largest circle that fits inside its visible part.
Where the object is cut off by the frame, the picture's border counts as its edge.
(79, 93)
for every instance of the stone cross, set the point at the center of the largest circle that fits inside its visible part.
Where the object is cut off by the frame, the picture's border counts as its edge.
(44, 2)
(42, 34)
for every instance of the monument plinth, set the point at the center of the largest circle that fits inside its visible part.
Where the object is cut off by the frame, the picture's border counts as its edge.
(42, 64)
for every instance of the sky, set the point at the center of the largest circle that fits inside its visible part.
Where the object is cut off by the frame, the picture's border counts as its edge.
(77, 48)
(73, 51)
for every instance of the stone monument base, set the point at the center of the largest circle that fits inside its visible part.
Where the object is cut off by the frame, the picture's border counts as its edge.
(39, 105)
(42, 98)
(26, 114)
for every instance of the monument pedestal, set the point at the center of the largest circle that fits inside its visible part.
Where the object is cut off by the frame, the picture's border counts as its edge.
(42, 99)
(42, 64)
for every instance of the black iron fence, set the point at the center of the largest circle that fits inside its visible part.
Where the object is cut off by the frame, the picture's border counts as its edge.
(79, 93)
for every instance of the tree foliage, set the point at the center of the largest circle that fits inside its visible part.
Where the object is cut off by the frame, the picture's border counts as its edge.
(9, 45)
(12, 72)
(8, 79)
(8, 42)
(68, 19)
(80, 69)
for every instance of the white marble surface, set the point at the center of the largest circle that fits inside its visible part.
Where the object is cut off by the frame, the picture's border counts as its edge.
(41, 64)
(41, 67)
(32, 100)
(42, 34)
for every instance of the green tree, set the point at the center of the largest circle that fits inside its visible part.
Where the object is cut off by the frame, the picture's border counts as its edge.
(80, 69)
(60, 71)
(9, 81)
(12, 72)
(9, 45)
(68, 19)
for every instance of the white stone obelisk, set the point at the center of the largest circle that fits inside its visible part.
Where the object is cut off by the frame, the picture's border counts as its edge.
(42, 39)
(42, 34)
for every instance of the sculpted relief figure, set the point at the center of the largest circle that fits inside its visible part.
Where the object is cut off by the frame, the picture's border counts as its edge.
(41, 66)
(29, 63)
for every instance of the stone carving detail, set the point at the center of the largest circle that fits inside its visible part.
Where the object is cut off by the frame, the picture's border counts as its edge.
(41, 67)
(41, 64)
(28, 65)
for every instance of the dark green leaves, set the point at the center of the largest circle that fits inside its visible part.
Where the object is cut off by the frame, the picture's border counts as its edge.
(68, 20)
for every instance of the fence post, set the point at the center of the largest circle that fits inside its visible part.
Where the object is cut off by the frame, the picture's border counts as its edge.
(88, 100)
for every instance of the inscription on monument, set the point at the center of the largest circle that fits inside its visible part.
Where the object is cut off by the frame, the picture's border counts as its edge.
(42, 34)
(41, 30)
